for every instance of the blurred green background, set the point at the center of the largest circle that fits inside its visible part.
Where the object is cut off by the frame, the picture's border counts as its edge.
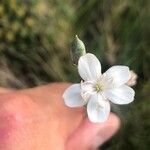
(34, 49)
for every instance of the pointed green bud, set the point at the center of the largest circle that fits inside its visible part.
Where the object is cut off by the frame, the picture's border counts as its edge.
(77, 50)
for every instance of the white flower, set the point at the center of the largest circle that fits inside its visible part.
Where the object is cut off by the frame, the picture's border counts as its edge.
(97, 89)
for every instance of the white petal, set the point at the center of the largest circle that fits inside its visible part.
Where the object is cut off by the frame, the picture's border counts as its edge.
(121, 95)
(119, 74)
(89, 67)
(87, 88)
(72, 96)
(98, 109)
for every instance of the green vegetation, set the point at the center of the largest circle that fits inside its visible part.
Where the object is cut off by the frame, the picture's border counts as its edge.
(34, 49)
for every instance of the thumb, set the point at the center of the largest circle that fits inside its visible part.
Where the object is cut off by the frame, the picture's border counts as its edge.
(89, 136)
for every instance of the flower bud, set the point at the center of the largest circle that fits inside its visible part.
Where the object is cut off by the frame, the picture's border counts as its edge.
(133, 80)
(77, 50)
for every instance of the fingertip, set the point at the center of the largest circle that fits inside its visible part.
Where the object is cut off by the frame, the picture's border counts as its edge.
(114, 121)
(91, 135)
(107, 130)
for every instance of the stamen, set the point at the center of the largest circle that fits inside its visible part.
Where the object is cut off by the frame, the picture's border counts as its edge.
(98, 88)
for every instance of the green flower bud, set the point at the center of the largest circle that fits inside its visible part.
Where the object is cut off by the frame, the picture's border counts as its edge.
(77, 50)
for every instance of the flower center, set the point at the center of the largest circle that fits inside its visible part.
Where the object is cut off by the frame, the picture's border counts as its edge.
(98, 88)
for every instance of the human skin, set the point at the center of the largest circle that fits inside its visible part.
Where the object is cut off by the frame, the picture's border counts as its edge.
(37, 119)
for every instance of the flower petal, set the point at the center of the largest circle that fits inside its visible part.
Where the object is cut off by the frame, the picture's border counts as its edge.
(87, 88)
(89, 67)
(98, 109)
(72, 96)
(121, 95)
(119, 74)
